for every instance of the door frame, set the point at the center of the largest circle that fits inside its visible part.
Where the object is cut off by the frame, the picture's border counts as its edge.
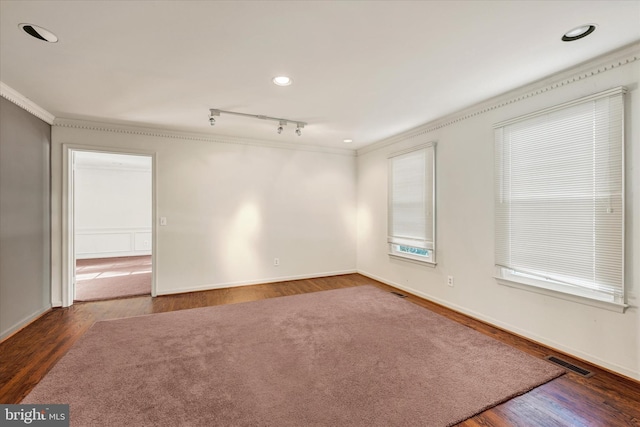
(68, 214)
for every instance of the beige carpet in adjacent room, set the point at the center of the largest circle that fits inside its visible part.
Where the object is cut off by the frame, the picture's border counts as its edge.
(350, 357)
(107, 278)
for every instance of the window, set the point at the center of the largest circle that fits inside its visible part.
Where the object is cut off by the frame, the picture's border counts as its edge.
(411, 204)
(559, 198)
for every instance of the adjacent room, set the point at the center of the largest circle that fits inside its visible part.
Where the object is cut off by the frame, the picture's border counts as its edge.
(112, 217)
(331, 213)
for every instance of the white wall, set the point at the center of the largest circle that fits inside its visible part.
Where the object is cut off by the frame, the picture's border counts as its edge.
(25, 141)
(465, 224)
(112, 206)
(231, 208)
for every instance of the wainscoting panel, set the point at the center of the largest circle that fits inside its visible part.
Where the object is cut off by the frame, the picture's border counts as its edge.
(142, 241)
(106, 243)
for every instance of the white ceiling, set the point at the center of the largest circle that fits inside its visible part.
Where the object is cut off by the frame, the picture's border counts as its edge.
(363, 70)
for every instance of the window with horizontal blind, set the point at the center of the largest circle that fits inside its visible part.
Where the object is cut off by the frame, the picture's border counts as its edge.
(412, 204)
(559, 198)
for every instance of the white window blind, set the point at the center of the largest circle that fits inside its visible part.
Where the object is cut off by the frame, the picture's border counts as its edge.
(560, 198)
(411, 203)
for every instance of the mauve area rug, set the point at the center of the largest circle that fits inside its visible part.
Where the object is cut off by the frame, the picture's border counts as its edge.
(350, 357)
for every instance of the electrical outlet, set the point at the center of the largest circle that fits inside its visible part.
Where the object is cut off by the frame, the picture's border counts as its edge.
(450, 281)
(276, 261)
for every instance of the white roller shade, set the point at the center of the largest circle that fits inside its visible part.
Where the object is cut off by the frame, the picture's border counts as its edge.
(560, 197)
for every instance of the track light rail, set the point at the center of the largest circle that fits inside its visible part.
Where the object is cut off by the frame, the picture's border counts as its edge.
(214, 112)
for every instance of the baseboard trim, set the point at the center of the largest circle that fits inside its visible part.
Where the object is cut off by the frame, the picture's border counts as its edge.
(254, 282)
(20, 325)
(550, 344)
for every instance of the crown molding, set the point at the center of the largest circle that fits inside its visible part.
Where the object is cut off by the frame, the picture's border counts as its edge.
(607, 62)
(25, 103)
(192, 136)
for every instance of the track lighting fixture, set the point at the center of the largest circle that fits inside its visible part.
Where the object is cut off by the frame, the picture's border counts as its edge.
(212, 113)
(281, 122)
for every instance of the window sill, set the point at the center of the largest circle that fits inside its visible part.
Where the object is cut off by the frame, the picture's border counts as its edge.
(413, 260)
(611, 306)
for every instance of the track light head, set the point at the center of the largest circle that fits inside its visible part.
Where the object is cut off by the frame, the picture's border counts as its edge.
(282, 123)
(213, 112)
(298, 131)
(299, 127)
(280, 129)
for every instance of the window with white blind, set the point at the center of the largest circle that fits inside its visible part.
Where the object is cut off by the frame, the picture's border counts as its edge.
(412, 204)
(559, 199)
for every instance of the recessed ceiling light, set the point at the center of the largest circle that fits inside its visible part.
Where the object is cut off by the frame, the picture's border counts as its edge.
(39, 33)
(282, 80)
(347, 141)
(578, 32)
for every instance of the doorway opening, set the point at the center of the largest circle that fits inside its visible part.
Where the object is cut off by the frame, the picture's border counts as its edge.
(111, 201)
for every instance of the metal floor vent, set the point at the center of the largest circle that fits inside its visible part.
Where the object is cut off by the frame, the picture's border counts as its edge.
(570, 366)
(398, 294)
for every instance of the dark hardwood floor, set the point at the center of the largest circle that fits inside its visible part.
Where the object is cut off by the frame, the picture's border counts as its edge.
(605, 399)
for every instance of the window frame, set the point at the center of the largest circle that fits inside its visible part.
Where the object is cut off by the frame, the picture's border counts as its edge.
(549, 285)
(394, 247)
